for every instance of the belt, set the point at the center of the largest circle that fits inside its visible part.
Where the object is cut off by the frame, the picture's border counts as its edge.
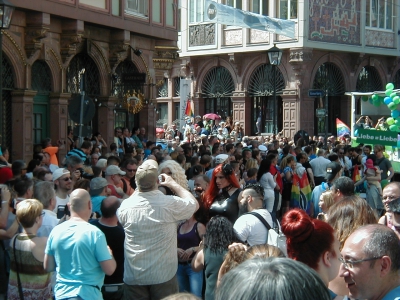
(185, 262)
(109, 288)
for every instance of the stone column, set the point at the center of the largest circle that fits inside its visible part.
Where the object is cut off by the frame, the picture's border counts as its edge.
(106, 119)
(22, 121)
(147, 119)
(59, 120)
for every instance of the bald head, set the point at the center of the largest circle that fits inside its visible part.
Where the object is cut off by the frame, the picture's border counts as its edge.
(109, 207)
(79, 200)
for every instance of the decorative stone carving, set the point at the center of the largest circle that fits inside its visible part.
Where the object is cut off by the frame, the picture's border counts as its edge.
(164, 57)
(201, 35)
(71, 43)
(259, 36)
(300, 55)
(233, 37)
(377, 38)
(118, 53)
(33, 39)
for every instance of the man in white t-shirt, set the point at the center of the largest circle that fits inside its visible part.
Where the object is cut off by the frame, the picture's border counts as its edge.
(63, 182)
(249, 228)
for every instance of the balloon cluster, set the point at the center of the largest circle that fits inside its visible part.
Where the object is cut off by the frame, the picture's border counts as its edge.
(392, 101)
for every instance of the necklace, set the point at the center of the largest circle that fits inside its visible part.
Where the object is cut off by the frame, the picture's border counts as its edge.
(228, 188)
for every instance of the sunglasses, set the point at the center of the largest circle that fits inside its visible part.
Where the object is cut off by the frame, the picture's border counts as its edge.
(131, 170)
(67, 179)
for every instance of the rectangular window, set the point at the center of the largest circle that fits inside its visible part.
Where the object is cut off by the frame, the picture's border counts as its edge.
(137, 7)
(196, 11)
(259, 7)
(170, 9)
(156, 11)
(234, 3)
(95, 3)
(379, 14)
(162, 113)
(287, 9)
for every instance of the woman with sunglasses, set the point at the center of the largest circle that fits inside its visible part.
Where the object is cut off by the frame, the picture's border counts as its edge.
(221, 197)
(28, 279)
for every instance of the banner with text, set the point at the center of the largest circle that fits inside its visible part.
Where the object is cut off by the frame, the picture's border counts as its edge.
(228, 15)
(387, 138)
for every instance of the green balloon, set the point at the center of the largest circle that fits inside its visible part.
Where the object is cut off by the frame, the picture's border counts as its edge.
(392, 106)
(390, 86)
(377, 103)
(390, 121)
(364, 98)
(392, 95)
(393, 128)
(397, 122)
(388, 92)
(396, 99)
(375, 97)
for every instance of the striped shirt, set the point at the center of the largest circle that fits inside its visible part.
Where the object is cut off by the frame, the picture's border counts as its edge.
(150, 223)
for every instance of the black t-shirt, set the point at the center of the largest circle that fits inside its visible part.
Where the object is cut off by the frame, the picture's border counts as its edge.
(115, 237)
(307, 165)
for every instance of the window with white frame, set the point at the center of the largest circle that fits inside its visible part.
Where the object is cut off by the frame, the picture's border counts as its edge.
(196, 11)
(259, 7)
(380, 14)
(137, 7)
(234, 3)
(287, 9)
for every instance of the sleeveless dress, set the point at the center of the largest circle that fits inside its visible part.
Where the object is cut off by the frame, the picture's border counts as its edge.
(35, 280)
(226, 206)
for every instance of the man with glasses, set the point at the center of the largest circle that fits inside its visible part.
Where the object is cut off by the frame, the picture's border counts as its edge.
(371, 263)
(63, 183)
(129, 166)
(344, 161)
(249, 228)
(113, 176)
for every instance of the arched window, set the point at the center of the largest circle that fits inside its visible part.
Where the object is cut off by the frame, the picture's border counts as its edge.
(217, 90)
(330, 79)
(261, 90)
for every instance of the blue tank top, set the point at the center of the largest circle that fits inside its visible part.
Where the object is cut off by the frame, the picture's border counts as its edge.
(189, 239)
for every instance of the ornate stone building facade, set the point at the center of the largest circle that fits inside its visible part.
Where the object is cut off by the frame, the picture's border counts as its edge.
(51, 43)
(339, 46)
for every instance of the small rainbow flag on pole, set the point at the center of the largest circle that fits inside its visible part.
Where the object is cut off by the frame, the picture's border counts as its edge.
(342, 128)
(189, 111)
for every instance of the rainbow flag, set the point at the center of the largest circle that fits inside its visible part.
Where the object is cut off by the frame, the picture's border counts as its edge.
(342, 128)
(189, 111)
(301, 192)
(356, 174)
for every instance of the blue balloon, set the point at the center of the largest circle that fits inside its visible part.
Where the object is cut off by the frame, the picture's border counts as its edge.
(387, 100)
(356, 132)
(395, 114)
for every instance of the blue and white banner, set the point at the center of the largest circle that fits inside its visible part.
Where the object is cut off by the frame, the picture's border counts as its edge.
(227, 15)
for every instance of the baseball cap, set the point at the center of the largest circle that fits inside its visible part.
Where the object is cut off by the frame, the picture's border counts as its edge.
(113, 170)
(147, 174)
(59, 172)
(97, 185)
(220, 158)
(331, 170)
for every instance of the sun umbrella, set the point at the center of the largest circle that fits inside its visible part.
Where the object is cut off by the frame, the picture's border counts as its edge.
(212, 116)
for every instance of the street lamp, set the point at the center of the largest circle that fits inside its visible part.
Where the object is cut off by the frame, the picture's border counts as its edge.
(6, 11)
(275, 56)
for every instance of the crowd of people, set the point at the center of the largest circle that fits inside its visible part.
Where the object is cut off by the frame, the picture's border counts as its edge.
(191, 214)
